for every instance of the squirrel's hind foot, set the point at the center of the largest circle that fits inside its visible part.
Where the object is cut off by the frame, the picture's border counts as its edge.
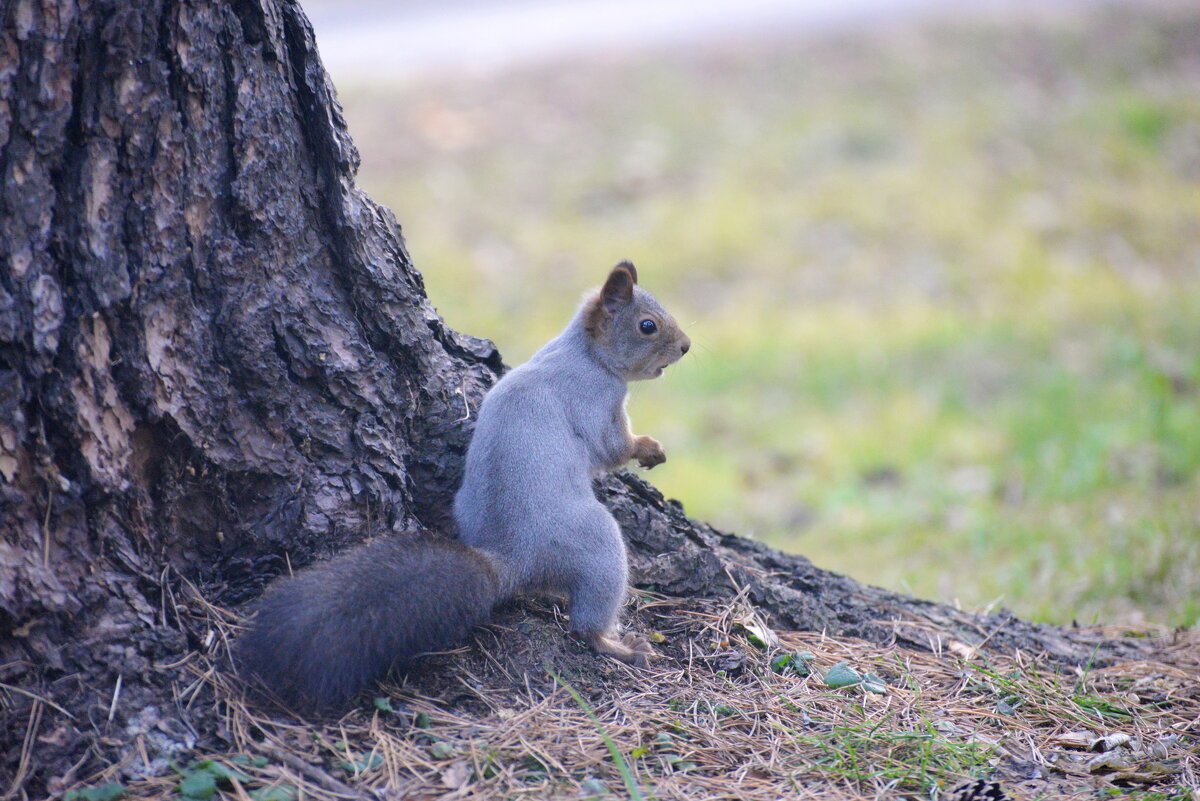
(632, 649)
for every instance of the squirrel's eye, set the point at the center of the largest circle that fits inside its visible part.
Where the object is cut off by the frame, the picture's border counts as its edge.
(647, 327)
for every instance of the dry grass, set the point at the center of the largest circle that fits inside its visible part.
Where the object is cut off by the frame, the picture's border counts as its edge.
(712, 720)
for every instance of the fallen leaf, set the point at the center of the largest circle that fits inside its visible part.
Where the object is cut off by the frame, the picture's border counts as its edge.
(963, 651)
(1109, 741)
(761, 635)
(1113, 760)
(1081, 740)
(592, 788)
(872, 683)
(1150, 773)
(842, 675)
(442, 750)
(457, 774)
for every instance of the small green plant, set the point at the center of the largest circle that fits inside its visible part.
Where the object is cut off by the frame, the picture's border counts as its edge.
(842, 675)
(358, 767)
(534, 767)
(109, 791)
(442, 750)
(201, 779)
(914, 759)
(799, 664)
(668, 753)
(1103, 708)
(242, 759)
(273, 792)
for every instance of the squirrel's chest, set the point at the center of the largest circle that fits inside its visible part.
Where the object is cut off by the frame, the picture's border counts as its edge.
(603, 429)
(600, 420)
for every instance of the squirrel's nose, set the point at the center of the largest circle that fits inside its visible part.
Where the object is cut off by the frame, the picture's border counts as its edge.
(687, 344)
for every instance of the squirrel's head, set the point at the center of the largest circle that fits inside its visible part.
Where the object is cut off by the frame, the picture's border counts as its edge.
(630, 330)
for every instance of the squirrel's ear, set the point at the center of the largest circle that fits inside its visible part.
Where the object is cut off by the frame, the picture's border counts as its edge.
(618, 289)
(628, 265)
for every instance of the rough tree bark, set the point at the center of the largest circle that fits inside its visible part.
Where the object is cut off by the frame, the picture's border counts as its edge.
(216, 356)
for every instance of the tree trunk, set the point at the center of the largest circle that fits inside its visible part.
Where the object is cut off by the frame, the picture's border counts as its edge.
(216, 359)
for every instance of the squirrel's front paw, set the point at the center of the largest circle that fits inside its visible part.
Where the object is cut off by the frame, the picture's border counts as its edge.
(648, 452)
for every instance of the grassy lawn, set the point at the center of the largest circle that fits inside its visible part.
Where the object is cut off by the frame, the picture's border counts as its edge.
(944, 283)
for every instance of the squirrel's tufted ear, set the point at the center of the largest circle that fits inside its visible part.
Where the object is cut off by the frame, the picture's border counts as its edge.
(628, 265)
(618, 289)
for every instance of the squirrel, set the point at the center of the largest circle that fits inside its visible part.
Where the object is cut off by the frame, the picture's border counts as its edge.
(528, 521)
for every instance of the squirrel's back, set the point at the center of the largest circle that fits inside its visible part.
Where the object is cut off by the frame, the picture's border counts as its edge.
(319, 637)
(525, 455)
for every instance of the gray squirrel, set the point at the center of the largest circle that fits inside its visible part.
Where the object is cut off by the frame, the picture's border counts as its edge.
(527, 518)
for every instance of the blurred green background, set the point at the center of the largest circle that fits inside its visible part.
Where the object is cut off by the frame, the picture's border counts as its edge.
(943, 278)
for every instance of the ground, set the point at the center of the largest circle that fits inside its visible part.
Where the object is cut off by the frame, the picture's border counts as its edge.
(729, 711)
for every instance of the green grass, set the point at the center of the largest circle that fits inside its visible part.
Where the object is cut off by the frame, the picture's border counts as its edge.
(878, 754)
(944, 288)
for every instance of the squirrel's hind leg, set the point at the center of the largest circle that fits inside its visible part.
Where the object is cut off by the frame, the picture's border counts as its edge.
(632, 649)
(598, 581)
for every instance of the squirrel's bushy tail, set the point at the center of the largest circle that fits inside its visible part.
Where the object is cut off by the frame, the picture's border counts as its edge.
(321, 636)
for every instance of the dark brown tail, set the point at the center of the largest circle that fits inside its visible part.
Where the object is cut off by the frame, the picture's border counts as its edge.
(321, 636)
